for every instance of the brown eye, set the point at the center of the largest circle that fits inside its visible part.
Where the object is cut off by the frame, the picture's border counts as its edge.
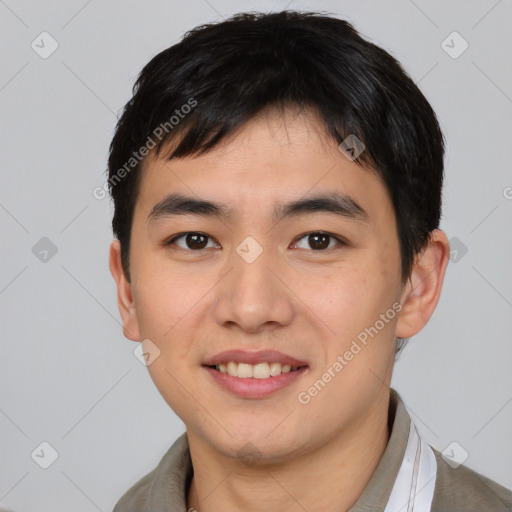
(194, 241)
(319, 241)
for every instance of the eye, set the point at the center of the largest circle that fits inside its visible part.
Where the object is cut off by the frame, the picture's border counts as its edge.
(193, 240)
(196, 241)
(319, 240)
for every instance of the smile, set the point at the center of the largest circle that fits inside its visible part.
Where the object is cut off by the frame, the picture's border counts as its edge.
(256, 371)
(254, 387)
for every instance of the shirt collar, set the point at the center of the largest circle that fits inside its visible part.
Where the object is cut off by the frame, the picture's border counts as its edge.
(169, 487)
(376, 494)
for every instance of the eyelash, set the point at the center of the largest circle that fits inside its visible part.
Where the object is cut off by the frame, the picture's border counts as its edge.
(339, 239)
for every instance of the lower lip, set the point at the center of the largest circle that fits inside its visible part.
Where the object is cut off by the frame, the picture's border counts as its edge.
(254, 388)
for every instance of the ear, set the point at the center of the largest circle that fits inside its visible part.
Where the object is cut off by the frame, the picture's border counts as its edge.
(421, 293)
(124, 294)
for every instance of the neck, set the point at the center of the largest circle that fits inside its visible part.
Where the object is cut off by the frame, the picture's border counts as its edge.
(330, 478)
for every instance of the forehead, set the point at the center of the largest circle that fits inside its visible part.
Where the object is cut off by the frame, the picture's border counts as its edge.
(272, 158)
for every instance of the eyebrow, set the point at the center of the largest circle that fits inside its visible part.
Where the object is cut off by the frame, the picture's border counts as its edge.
(335, 203)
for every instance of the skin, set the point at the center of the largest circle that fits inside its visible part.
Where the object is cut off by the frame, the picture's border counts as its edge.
(306, 302)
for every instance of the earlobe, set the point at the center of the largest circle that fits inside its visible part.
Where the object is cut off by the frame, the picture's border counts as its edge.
(125, 300)
(421, 293)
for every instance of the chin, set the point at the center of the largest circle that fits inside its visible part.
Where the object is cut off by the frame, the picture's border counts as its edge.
(255, 447)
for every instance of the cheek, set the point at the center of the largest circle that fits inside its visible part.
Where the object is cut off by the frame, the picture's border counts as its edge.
(163, 293)
(170, 378)
(168, 308)
(173, 305)
(342, 300)
(350, 303)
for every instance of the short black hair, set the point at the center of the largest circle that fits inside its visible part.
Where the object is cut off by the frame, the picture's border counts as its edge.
(223, 74)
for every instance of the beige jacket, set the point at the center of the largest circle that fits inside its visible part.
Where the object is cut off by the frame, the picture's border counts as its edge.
(457, 490)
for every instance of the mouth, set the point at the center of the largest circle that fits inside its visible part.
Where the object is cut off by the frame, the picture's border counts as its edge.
(254, 374)
(265, 370)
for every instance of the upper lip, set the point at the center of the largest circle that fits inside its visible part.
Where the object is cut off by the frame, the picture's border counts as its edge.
(262, 356)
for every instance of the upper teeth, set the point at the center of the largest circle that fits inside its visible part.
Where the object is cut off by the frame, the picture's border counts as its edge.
(258, 371)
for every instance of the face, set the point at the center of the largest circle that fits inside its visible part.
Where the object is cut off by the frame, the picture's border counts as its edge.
(317, 284)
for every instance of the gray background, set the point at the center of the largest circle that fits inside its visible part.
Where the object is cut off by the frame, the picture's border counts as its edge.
(69, 377)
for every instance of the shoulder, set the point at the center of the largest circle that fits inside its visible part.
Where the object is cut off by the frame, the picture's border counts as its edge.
(163, 486)
(136, 497)
(463, 490)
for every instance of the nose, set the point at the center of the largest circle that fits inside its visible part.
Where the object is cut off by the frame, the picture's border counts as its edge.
(254, 296)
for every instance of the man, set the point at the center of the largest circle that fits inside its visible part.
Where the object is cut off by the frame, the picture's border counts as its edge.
(277, 189)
